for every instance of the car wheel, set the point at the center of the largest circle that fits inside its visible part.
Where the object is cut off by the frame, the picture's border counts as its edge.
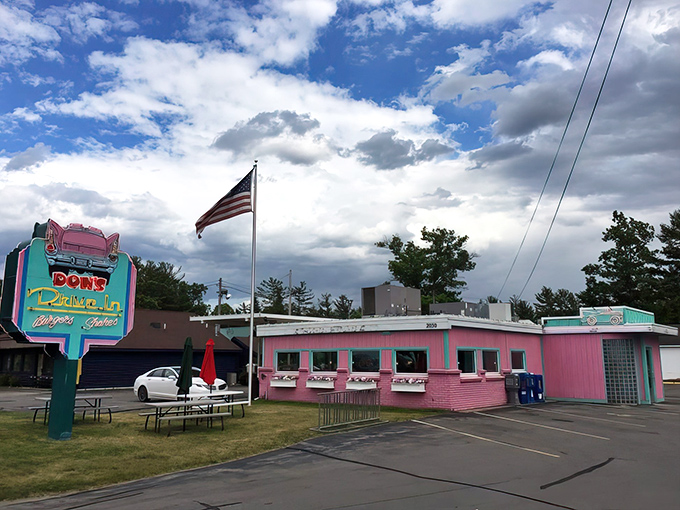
(615, 320)
(142, 394)
(592, 320)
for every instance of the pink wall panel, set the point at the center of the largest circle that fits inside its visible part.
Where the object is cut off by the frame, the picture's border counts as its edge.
(504, 341)
(658, 376)
(445, 388)
(574, 367)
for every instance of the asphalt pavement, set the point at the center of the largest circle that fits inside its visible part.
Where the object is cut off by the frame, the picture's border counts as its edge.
(543, 456)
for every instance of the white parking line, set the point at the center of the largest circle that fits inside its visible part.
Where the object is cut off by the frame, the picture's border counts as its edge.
(587, 417)
(542, 426)
(485, 439)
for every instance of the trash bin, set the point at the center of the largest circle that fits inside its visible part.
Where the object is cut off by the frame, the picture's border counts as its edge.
(526, 384)
(512, 388)
(537, 390)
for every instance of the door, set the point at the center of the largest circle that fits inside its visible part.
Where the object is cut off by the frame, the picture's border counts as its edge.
(620, 372)
(649, 373)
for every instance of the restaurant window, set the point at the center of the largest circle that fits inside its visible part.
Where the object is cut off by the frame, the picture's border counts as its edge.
(29, 362)
(324, 361)
(6, 364)
(490, 360)
(365, 361)
(466, 361)
(287, 361)
(518, 360)
(18, 362)
(411, 362)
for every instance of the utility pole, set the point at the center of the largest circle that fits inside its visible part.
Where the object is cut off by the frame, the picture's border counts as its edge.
(290, 295)
(219, 297)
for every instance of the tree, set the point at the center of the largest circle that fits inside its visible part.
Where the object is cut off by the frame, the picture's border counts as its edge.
(624, 274)
(273, 295)
(668, 298)
(343, 307)
(303, 299)
(522, 309)
(555, 304)
(325, 306)
(435, 268)
(161, 287)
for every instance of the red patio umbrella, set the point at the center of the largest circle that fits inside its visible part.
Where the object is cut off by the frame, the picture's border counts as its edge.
(208, 373)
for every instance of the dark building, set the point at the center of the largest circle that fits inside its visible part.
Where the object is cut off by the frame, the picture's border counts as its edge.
(157, 339)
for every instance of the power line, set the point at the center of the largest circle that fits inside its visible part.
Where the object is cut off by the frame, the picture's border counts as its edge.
(578, 152)
(559, 147)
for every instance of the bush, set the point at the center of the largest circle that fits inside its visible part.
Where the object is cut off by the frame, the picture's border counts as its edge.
(9, 380)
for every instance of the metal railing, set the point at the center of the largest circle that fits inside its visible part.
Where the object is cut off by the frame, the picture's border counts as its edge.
(350, 407)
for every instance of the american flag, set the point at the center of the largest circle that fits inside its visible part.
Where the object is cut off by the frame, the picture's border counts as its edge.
(237, 201)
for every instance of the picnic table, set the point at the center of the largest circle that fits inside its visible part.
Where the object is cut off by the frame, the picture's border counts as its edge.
(197, 408)
(83, 402)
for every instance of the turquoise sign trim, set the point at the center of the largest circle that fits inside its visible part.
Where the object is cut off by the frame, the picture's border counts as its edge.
(73, 310)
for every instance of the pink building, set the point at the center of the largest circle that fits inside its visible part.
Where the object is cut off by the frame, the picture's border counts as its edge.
(456, 362)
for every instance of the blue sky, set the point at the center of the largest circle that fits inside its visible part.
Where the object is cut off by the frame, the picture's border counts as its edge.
(368, 118)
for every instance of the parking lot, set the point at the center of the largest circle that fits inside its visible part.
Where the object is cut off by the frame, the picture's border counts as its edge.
(553, 455)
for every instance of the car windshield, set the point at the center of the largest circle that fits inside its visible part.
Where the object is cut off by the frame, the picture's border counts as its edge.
(196, 372)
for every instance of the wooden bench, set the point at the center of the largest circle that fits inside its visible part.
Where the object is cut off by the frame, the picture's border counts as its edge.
(191, 416)
(241, 403)
(151, 414)
(37, 409)
(76, 409)
(95, 410)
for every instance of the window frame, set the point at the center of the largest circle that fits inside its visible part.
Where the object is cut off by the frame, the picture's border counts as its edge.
(474, 359)
(276, 360)
(410, 349)
(311, 361)
(351, 361)
(524, 360)
(497, 352)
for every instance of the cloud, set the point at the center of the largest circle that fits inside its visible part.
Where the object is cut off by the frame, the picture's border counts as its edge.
(460, 81)
(528, 107)
(28, 158)
(446, 13)
(23, 37)
(281, 133)
(499, 152)
(80, 22)
(386, 152)
(25, 115)
(547, 57)
(440, 199)
(272, 31)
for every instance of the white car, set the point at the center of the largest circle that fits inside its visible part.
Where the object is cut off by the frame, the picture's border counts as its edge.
(161, 384)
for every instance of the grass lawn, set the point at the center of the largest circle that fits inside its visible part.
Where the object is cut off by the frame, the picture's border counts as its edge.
(101, 454)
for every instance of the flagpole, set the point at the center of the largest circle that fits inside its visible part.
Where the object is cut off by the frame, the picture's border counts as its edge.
(252, 288)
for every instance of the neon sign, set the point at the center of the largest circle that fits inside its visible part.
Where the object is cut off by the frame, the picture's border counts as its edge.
(72, 288)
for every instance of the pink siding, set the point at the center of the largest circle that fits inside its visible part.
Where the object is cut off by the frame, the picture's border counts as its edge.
(574, 367)
(504, 341)
(445, 388)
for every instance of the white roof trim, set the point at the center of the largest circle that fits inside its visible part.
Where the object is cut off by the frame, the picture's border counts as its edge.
(658, 329)
(390, 324)
(245, 317)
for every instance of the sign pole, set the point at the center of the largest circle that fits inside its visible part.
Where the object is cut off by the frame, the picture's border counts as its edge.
(63, 400)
